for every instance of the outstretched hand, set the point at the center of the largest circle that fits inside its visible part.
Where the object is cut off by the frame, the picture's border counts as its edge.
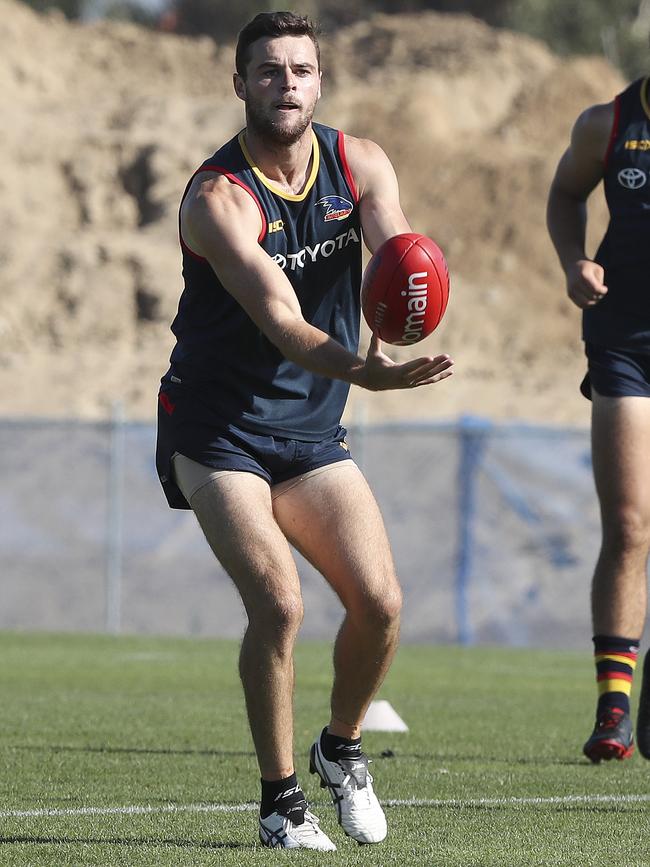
(382, 373)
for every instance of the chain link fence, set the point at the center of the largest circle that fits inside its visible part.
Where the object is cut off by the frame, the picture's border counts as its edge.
(494, 529)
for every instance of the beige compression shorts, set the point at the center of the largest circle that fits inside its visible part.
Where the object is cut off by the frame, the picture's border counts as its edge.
(191, 476)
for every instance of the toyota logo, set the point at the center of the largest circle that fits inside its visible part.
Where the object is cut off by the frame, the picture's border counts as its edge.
(631, 178)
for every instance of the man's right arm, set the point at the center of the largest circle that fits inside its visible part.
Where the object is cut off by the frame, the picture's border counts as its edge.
(221, 222)
(579, 171)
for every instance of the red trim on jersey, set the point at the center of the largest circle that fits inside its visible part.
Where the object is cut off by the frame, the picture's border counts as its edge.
(346, 168)
(233, 180)
(189, 250)
(166, 403)
(614, 132)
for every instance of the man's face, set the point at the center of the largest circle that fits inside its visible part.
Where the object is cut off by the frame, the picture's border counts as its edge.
(281, 87)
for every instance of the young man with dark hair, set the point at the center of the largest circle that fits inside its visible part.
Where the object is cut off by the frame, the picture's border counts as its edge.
(249, 418)
(611, 143)
(274, 25)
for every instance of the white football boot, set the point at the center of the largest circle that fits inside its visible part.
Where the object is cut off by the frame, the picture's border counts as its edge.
(350, 786)
(279, 832)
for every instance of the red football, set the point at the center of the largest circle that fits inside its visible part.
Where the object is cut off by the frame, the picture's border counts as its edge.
(405, 289)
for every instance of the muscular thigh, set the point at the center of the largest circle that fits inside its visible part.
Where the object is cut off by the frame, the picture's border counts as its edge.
(621, 454)
(235, 513)
(333, 519)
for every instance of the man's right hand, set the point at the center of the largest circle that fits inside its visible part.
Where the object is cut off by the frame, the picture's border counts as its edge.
(585, 286)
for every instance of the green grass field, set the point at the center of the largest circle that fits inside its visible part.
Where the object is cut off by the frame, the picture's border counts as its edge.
(133, 751)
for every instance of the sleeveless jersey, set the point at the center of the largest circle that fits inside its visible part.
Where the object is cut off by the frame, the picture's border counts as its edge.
(622, 318)
(315, 237)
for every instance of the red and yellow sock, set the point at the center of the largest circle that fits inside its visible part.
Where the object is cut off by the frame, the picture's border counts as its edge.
(615, 659)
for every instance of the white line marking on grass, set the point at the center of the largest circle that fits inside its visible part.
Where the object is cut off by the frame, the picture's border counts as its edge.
(505, 802)
(131, 810)
(147, 809)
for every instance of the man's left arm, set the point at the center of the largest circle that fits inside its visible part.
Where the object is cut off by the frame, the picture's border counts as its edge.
(382, 217)
(379, 206)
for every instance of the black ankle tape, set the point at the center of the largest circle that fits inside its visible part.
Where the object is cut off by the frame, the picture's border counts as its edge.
(284, 797)
(335, 747)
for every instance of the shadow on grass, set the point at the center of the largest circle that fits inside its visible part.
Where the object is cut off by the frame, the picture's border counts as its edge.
(152, 751)
(419, 757)
(121, 841)
(504, 760)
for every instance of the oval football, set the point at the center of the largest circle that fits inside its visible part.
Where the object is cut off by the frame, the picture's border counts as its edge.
(405, 289)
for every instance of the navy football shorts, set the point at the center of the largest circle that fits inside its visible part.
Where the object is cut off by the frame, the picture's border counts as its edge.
(616, 372)
(183, 428)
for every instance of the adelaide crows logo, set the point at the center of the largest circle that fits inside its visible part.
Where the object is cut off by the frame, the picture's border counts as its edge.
(336, 208)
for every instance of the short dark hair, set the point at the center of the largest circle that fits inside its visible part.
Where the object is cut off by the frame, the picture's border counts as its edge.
(272, 24)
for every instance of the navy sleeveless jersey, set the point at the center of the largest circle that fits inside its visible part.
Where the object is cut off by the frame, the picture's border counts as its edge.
(221, 356)
(622, 318)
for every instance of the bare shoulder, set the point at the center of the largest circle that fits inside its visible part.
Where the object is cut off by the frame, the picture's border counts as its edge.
(582, 166)
(214, 192)
(361, 151)
(592, 131)
(367, 161)
(214, 204)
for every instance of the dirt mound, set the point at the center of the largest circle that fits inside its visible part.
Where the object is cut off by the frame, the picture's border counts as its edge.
(104, 123)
